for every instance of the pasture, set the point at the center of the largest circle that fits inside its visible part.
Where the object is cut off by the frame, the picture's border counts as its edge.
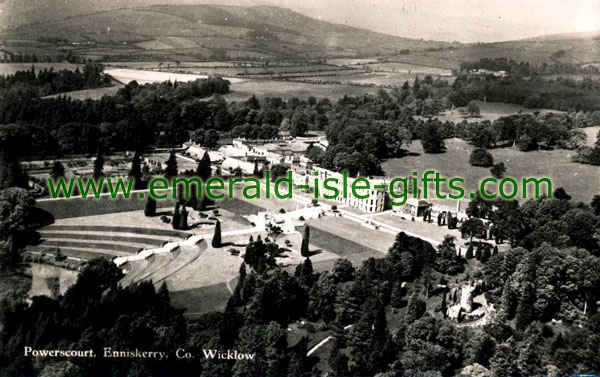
(379, 78)
(579, 180)
(241, 91)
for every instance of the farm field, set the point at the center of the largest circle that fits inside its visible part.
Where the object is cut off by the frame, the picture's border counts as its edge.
(350, 61)
(271, 70)
(426, 59)
(409, 68)
(579, 180)
(371, 78)
(145, 76)
(241, 91)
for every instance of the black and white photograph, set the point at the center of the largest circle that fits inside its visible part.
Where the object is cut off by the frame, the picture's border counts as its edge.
(299, 188)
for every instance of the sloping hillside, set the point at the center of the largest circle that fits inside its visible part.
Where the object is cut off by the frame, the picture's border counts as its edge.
(211, 31)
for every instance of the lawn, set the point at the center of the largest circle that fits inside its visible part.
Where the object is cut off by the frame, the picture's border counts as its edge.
(342, 247)
(579, 180)
(202, 300)
(157, 242)
(353, 232)
(78, 207)
(240, 207)
(75, 226)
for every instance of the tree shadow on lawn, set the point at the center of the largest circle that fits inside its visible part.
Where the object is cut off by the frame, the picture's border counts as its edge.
(406, 153)
(237, 244)
(315, 252)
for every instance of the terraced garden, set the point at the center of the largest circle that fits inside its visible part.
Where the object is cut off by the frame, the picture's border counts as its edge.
(83, 242)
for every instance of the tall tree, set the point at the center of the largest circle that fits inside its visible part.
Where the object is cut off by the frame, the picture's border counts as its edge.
(239, 288)
(216, 240)
(171, 168)
(432, 139)
(304, 273)
(57, 171)
(150, 208)
(183, 218)
(525, 310)
(135, 172)
(304, 249)
(203, 170)
(299, 124)
(175, 221)
(98, 166)
(415, 308)
(397, 294)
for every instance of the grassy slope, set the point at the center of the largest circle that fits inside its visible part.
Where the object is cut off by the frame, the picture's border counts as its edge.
(579, 180)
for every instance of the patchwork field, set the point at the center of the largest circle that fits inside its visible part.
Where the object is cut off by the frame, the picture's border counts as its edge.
(579, 180)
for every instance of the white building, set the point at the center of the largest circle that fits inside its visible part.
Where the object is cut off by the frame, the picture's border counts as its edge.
(376, 197)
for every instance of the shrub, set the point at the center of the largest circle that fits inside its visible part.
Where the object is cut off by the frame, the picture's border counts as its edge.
(481, 157)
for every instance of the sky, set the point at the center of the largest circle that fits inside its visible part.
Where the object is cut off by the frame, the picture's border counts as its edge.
(461, 20)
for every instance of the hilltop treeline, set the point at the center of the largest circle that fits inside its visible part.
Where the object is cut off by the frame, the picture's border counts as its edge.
(535, 92)
(48, 81)
(516, 68)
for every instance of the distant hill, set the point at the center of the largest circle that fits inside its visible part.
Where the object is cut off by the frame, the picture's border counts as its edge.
(181, 31)
(577, 48)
